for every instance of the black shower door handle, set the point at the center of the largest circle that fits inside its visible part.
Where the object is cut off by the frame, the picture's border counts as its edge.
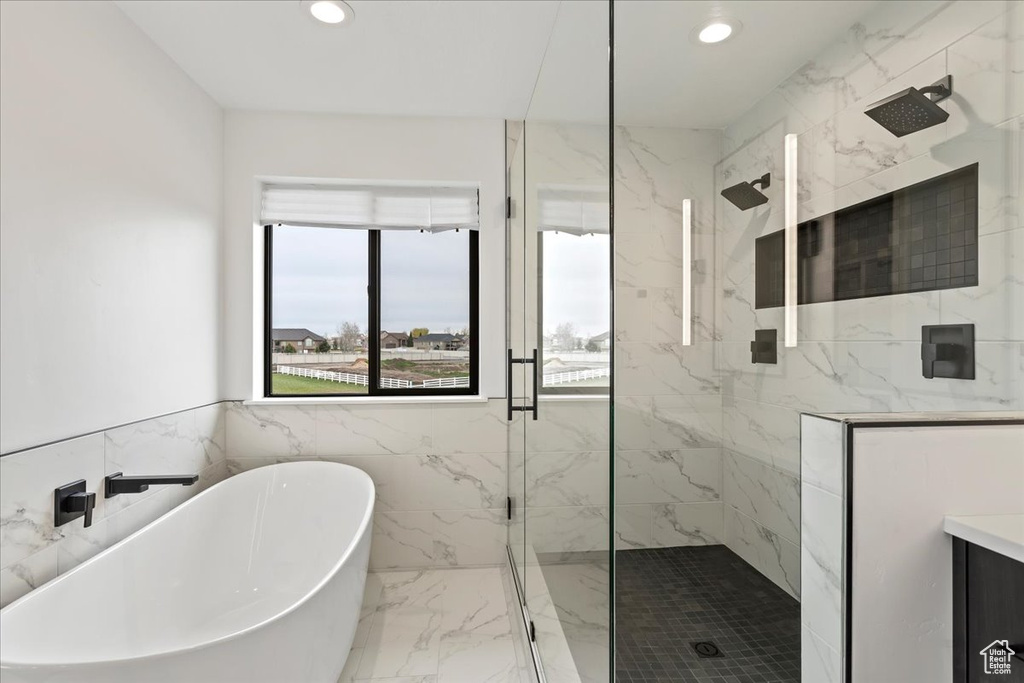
(508, 390)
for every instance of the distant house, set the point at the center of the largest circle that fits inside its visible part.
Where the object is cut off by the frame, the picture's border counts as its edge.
(394, 340)
(438, 342)
(302, 339)
(602, 341)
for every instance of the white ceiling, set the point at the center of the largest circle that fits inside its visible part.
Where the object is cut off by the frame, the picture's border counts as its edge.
(483, 58)
(404, 57)
(662, 77)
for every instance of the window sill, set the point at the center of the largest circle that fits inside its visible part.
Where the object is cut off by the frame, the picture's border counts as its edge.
(361, 400)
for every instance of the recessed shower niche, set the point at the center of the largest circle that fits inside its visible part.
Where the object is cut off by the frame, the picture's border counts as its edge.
(919, 238)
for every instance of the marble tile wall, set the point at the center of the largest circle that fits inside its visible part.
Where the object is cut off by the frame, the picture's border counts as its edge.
(668, 424)
(668, 405)
(822, 542)
(439, 470)
(32, 551)
(863, 355)
(565, 478)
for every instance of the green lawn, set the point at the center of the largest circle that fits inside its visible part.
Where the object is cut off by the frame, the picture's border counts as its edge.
(290, 384)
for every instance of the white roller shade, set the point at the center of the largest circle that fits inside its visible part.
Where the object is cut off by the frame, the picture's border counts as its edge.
(578, 211)
(372, 207)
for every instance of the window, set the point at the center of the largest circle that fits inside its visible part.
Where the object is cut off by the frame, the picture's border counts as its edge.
(575, 316)
(574, 299)
(317, 284)
(373, 311)
(424, 295)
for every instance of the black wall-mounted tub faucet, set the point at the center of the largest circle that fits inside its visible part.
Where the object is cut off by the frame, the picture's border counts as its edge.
(115, 484)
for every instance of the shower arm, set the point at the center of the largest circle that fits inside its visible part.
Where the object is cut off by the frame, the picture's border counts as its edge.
(943, 88)
(764, 181)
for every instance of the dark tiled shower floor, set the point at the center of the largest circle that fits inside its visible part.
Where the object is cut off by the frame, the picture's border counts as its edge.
(668, 598)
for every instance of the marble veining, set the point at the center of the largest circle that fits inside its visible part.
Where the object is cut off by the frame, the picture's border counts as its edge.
(33, 552)
(667, 476)
(567, 479)
(821, 569)
(774, 556)
(818, 662)
(763, 493)
(687, 524)
(435, 626)
(26, 492)
(365, 430)
(633, 526)
(254, 431)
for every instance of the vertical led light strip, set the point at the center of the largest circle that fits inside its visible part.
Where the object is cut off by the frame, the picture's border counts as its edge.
(791, 240)
(687, 273)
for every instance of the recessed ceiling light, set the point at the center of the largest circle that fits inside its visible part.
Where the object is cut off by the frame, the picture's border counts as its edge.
(715, 33)
(330, 12)
(715, 30)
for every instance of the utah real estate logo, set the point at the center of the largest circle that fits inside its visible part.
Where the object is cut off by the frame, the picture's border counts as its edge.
(997, 657)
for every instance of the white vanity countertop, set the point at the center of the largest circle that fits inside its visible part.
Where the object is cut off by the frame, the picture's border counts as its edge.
(1003, 534)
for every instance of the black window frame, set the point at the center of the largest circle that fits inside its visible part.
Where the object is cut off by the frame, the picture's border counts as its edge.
(374, 328)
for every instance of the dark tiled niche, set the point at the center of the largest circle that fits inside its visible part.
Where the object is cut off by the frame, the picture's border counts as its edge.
(919, 238)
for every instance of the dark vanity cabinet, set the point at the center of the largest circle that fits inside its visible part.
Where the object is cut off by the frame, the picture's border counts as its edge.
(988, 615)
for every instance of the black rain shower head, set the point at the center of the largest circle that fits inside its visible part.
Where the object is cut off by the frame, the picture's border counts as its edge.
(744, 196)
(912, 110)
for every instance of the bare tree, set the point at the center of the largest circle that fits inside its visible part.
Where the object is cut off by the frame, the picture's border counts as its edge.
(565, 336)
(348, 336)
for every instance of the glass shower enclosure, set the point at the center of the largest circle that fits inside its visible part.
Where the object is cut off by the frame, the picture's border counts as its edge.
(559, 357)
(775, 219)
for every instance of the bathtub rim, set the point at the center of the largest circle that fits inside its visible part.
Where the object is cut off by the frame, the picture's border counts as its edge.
(360, 532)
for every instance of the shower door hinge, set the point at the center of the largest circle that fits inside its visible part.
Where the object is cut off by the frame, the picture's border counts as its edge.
(533, 632)
(508, 507)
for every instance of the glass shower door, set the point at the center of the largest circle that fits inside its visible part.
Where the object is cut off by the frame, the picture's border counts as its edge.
(518, 395)
(560, 325)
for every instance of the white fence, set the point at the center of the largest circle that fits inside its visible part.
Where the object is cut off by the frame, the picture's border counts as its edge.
(390, 383)
(326, 375)
(576, 356)
(337, 357)
(575, 376)
(447, 382)
(364, 380)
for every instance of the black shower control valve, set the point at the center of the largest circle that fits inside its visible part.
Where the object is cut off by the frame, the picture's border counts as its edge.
(947, 351)
(764, 348)
(72, 501)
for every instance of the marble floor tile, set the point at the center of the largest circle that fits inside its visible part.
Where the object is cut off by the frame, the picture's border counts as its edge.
(477, 658)
(434, 626)
(406, 633)
(371, 598)
(348, 674)
(474, 603)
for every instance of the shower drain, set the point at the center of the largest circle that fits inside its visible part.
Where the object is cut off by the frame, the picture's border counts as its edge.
(707, 649)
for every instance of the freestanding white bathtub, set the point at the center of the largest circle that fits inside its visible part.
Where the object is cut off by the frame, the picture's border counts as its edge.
(259, 578)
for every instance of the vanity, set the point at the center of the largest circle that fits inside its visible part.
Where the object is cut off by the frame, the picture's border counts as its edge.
(988, 597)
(911, 546)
